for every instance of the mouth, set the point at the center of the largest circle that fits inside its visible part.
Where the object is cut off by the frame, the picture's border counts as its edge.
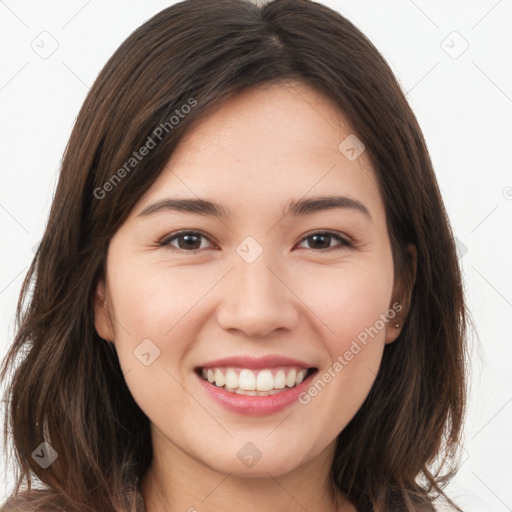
(256, 386)
(252, 382)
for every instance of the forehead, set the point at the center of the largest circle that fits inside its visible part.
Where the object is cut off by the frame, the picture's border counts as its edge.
(265, 147)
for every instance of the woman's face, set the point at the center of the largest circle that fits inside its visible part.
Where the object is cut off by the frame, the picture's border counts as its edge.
(252, 298)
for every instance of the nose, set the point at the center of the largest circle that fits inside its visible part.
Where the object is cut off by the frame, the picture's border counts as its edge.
(257, 300)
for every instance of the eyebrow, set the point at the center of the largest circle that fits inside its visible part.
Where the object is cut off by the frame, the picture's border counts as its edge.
(299, 207)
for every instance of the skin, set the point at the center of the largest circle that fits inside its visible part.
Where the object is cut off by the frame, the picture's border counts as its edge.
(260, 150)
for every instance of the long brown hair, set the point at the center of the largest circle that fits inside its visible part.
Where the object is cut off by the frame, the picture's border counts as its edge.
(67, 387)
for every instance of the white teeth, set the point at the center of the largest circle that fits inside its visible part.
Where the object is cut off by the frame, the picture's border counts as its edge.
(260, 383)
(280, 380)
(220, 380)
(290, 378)
(300, 376)
(265, 381)
(247, 381)
(231, 379)
(245, 392)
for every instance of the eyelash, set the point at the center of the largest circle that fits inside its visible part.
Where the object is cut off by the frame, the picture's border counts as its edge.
(344, 243)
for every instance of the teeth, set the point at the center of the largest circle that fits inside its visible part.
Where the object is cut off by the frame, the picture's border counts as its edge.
(220, 380)
(265, 381)
(246, 382)
(280, 380)
(231, 379)
(245, 392)
(290, 378)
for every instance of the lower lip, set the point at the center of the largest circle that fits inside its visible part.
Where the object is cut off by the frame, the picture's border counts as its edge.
(255, 405)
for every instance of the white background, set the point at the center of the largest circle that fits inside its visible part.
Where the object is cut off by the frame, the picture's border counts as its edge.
(464, 107)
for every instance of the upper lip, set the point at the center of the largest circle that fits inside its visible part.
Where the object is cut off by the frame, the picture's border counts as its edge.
(270, 361)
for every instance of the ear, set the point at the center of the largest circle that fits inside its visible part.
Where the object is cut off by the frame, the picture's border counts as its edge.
(401, 298)
(102, 321)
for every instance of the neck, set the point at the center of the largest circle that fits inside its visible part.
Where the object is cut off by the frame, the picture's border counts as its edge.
(180, 482)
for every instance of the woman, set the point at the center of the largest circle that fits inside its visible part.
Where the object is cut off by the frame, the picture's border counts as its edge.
(247, 295)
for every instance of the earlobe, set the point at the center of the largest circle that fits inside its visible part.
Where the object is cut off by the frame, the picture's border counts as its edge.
(102, 321)
(402, 294)
(393, 329)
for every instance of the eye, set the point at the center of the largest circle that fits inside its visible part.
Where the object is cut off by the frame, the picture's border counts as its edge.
(189, 241)
(323, 239)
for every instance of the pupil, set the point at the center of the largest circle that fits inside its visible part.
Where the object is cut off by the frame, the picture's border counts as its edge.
(316, 237)
(189, 243)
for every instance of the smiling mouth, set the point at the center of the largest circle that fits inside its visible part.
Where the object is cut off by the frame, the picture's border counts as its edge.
(262, 382)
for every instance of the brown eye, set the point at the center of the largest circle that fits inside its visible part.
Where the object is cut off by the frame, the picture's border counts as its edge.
(322, 240)
(188, 241)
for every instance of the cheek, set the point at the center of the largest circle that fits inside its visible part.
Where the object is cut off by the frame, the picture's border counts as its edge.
(155, 300)
(162, 304)
(153, 312)
(352, 308)
(350, 301)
